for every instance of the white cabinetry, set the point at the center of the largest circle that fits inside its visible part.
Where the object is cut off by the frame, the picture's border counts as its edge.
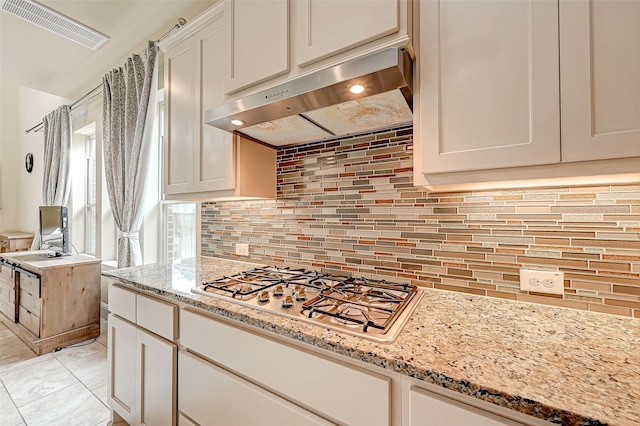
(198, 157)
(332, 390)
(424, 404)
(497, 77)
(430, 409)
(201, 161)
(600, 79)
(142, 362)
(324, 28)
(258, 37)
(273, 41)
(489, 94)
(213, 396)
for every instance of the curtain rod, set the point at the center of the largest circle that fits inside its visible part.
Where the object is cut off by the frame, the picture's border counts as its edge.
(96, 90)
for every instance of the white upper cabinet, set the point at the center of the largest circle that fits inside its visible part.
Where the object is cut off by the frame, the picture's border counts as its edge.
(600, 79)
(324, 28)
(553, 85)
(201, 161)
(215, 168)
(488, 84)
(180, 117)
(273, 41)
(197, 157)
(258, 37)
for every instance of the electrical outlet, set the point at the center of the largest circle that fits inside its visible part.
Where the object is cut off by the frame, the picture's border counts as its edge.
(242, 249)
(542, 281)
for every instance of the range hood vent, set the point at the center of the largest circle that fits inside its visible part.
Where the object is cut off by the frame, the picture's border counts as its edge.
(320, 105)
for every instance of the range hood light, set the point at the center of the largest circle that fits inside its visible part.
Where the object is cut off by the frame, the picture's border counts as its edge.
(237, 122)
(356, 89)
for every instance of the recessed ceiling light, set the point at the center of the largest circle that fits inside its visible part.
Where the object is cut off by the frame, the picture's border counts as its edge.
(356, 88)
(237, 122)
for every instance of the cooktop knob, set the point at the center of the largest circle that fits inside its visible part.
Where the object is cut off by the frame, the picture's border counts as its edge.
(263, 296)
(287, 302)
(301, 296)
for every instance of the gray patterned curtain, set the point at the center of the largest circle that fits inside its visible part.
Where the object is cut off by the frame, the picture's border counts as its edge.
(129, 102)
(57, 154)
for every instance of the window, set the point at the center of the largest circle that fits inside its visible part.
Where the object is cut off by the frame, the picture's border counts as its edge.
(90, 196)
(179, 226)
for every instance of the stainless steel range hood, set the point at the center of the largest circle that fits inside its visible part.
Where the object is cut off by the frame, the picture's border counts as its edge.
(321, 106)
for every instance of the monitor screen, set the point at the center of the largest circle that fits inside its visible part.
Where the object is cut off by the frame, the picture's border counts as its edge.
(54, 233)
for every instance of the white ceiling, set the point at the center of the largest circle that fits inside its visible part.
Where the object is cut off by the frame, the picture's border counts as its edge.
(33, 57)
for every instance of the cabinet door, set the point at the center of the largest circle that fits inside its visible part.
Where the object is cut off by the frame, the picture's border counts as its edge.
(180, 116)
(258, 37)
(339, 391)
(325, 28)
(427, 409)
(488, 84)
(215, 159)
(8, 302)
(600, 79)
(121, 354)
(156, 380)
(212, 396)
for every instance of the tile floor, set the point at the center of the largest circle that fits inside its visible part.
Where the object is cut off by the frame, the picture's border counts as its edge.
(68, 387)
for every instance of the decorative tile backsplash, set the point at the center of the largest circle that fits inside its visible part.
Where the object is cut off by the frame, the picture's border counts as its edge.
(349, 206)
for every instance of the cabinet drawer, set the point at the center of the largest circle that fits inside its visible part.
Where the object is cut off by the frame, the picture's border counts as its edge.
(212, 396)
(6, 277)
(429, 408)
(337, 389)
(30, 303)
(29, 320)
(30, 284)
(122, 303)
(157, 317)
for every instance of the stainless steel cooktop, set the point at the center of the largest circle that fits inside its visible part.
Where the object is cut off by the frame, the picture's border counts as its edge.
(373, 309)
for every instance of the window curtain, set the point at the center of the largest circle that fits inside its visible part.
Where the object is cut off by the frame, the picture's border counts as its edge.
(129, 104)
(56, 183)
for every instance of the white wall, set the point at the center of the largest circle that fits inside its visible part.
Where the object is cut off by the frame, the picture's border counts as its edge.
(20, 109)
(21, 192)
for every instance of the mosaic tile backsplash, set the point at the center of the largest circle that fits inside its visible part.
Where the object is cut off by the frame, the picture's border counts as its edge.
(349, 206)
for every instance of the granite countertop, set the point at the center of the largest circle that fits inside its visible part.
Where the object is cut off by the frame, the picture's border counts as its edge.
(566, 366)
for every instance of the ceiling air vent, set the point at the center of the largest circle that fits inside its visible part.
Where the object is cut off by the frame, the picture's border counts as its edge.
(54, 22)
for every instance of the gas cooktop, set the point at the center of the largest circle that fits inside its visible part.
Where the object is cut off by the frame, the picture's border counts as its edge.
(373, 309)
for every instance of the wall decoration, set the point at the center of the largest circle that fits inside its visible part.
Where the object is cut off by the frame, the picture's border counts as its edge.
(28, 162)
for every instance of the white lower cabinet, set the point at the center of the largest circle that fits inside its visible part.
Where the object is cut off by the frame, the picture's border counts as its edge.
(427, 408)
(121, 341)
(155, 380)
(212, 396)
(142, 365)
(333, 390)
(228, 374)
(142, 375)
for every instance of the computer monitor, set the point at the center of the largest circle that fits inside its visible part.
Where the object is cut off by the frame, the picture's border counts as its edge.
(54, 229)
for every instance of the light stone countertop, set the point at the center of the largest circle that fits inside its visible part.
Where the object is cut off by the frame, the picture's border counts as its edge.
(566, 366)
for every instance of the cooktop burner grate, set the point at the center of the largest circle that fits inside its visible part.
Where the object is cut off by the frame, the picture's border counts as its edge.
(372, 308)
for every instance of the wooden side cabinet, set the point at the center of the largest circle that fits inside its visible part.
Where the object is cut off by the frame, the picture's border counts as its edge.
(50, 303)
(11, 241)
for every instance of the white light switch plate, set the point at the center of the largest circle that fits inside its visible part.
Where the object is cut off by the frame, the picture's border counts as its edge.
(542, 281)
